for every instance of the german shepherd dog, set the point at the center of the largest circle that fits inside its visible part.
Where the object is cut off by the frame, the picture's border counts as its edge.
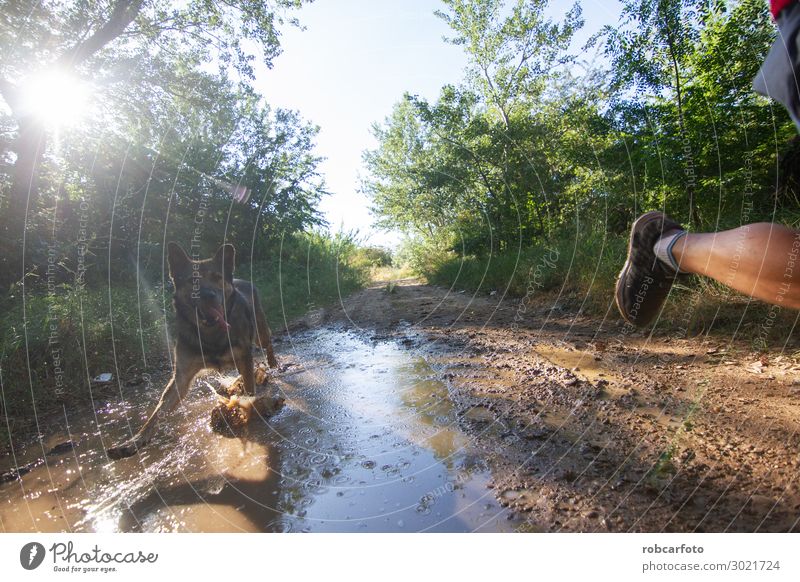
(219, 318)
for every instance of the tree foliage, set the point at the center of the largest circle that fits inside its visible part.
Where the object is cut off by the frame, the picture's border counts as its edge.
(526, 146)
(171, 126)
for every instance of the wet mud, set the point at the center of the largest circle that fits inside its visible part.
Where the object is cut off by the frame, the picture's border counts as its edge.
(368, 440)
(417, 408)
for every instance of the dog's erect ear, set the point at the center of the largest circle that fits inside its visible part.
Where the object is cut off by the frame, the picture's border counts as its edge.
(226, 259)
(179, 262)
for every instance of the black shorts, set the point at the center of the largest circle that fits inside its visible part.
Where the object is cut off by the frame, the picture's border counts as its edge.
(779, 76)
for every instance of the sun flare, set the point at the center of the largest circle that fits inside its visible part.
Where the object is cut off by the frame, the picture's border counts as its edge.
(56, 98)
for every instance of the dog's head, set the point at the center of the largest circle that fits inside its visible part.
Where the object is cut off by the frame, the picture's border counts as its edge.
(203, 285)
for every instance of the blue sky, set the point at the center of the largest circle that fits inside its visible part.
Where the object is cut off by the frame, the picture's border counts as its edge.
(353, 61)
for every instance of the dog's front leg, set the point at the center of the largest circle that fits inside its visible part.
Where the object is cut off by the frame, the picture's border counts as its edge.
(264, 335)
(187, 367)
(244, 364)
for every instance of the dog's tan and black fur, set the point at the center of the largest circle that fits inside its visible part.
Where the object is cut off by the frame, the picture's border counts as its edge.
(218, 320)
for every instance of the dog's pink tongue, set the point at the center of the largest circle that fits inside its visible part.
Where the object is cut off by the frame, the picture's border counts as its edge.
(221, 321)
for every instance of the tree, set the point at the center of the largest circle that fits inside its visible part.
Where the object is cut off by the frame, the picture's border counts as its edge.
(409, 185)
(513, 56)
(525, 149)
(476, 168)
(652, 51)
(136, 54)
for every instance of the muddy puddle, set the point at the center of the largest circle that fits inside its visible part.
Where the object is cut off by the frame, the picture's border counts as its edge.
(368, 441)
(582, 364)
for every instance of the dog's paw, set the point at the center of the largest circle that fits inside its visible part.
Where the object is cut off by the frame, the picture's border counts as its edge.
(122, 451)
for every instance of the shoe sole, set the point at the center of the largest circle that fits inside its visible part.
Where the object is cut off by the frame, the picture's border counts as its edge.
(644, 218)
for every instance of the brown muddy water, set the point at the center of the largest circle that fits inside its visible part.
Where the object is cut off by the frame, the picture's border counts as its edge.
(368, 441)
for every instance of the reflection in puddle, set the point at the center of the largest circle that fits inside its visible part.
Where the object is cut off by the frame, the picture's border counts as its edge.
(368, 441)
(582, 363)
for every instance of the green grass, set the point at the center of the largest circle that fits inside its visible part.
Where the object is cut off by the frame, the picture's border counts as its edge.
(53, 344)
(584, 267)
(309, 272)
(581, 271)
(85, 332)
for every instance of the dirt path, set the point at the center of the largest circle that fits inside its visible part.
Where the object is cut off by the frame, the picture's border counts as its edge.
(411, 408)
(588, 426)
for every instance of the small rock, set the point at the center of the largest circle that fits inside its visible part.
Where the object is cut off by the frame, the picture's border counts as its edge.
(591, 514)
(61, 448)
